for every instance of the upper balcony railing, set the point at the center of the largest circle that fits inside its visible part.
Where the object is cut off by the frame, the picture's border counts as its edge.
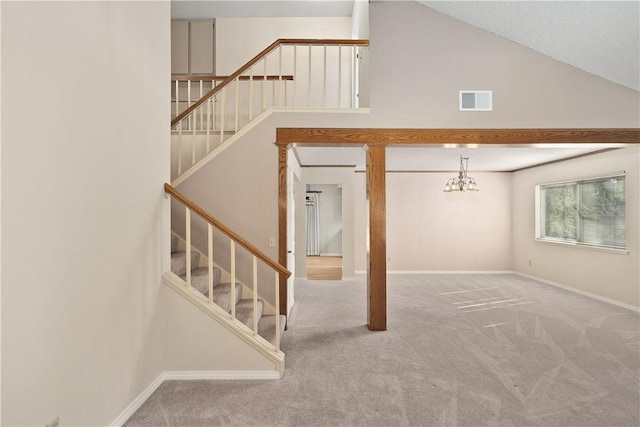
(290, 73)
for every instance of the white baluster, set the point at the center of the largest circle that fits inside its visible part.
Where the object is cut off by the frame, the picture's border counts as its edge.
(324, 84)
(188, 248)
(250, 93)
(339, 76)
(295, 67)
(213, 108)
(255, 295)
(232, 303)
(237, 120)
(354, 58)
(177, 98)
(280, 81)
(208, 125)
(223, 113)
(263, 91)
(210, 254)
(201, 109)
(277, 311)
(190, 118)
(309, 92)
(194, 136)
(180, 147)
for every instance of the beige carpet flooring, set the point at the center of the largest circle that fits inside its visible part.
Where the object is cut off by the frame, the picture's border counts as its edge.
(481, 350)
(324, 267)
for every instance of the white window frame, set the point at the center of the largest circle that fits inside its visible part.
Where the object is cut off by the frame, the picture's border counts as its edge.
(539, 217)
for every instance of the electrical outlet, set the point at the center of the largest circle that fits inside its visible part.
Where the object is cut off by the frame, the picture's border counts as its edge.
(54, 422)
(272, 242)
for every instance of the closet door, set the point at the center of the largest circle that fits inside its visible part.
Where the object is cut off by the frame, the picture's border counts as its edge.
(179, 47)
(201, 54)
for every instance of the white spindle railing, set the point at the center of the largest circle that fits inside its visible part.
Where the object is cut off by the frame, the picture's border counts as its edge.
(234, 240)
(287, 66)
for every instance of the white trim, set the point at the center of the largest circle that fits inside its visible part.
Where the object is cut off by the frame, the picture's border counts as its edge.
(187, 376)
(449, 272)
(580, 245)
(221, 375)
(138, 401)
(581, 292)
(331, 254)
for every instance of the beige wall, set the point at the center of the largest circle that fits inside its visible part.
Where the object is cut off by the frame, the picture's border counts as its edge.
(611, 275)
(420, 59)
(85, 150)
(430, 230)
(193, 341)
(240, 39)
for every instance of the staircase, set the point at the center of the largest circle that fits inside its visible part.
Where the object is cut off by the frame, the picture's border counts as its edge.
(222, 292)
(292, 75)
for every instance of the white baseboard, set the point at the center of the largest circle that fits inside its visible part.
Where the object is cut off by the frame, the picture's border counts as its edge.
(442, 272)
(450, 272)
(137, 402)
(189, 375)
(221, 375)
(330, 254)
(581, 292)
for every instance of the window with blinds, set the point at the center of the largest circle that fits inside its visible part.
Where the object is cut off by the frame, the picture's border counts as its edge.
(588, 212)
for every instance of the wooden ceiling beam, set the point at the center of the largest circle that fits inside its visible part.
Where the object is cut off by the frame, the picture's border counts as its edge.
(380, 136)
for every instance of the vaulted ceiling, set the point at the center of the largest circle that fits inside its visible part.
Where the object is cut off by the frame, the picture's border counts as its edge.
(600, 37)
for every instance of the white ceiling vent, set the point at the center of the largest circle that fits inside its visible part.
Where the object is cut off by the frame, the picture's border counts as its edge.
(476, 100)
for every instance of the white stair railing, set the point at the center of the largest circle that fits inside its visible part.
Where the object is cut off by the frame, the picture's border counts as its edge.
(256, 256)
(290, 73)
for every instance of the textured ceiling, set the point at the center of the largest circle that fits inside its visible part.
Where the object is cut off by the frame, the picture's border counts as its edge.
(600, 37)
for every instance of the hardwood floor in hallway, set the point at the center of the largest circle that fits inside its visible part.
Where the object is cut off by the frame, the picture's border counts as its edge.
(324, 268)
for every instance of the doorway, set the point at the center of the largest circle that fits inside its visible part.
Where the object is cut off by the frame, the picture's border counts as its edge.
(324, 231)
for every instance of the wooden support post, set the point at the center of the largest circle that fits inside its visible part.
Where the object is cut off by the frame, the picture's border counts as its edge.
(377, 239)
(282, 223)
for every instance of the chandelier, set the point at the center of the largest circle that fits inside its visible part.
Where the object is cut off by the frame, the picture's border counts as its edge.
(462, 182)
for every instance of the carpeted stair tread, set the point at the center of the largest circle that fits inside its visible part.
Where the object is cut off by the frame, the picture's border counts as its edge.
(179, 262)
(244, 311)
(174, 243)
(222, 295)
(200, 278)
(267, 327)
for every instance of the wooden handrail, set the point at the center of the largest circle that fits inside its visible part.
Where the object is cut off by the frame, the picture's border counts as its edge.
(213, 77)
(258, 57)
(226, 230)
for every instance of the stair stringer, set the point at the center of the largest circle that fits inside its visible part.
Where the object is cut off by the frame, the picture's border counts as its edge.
(235, 327)
(269, 309)
(249, 126)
